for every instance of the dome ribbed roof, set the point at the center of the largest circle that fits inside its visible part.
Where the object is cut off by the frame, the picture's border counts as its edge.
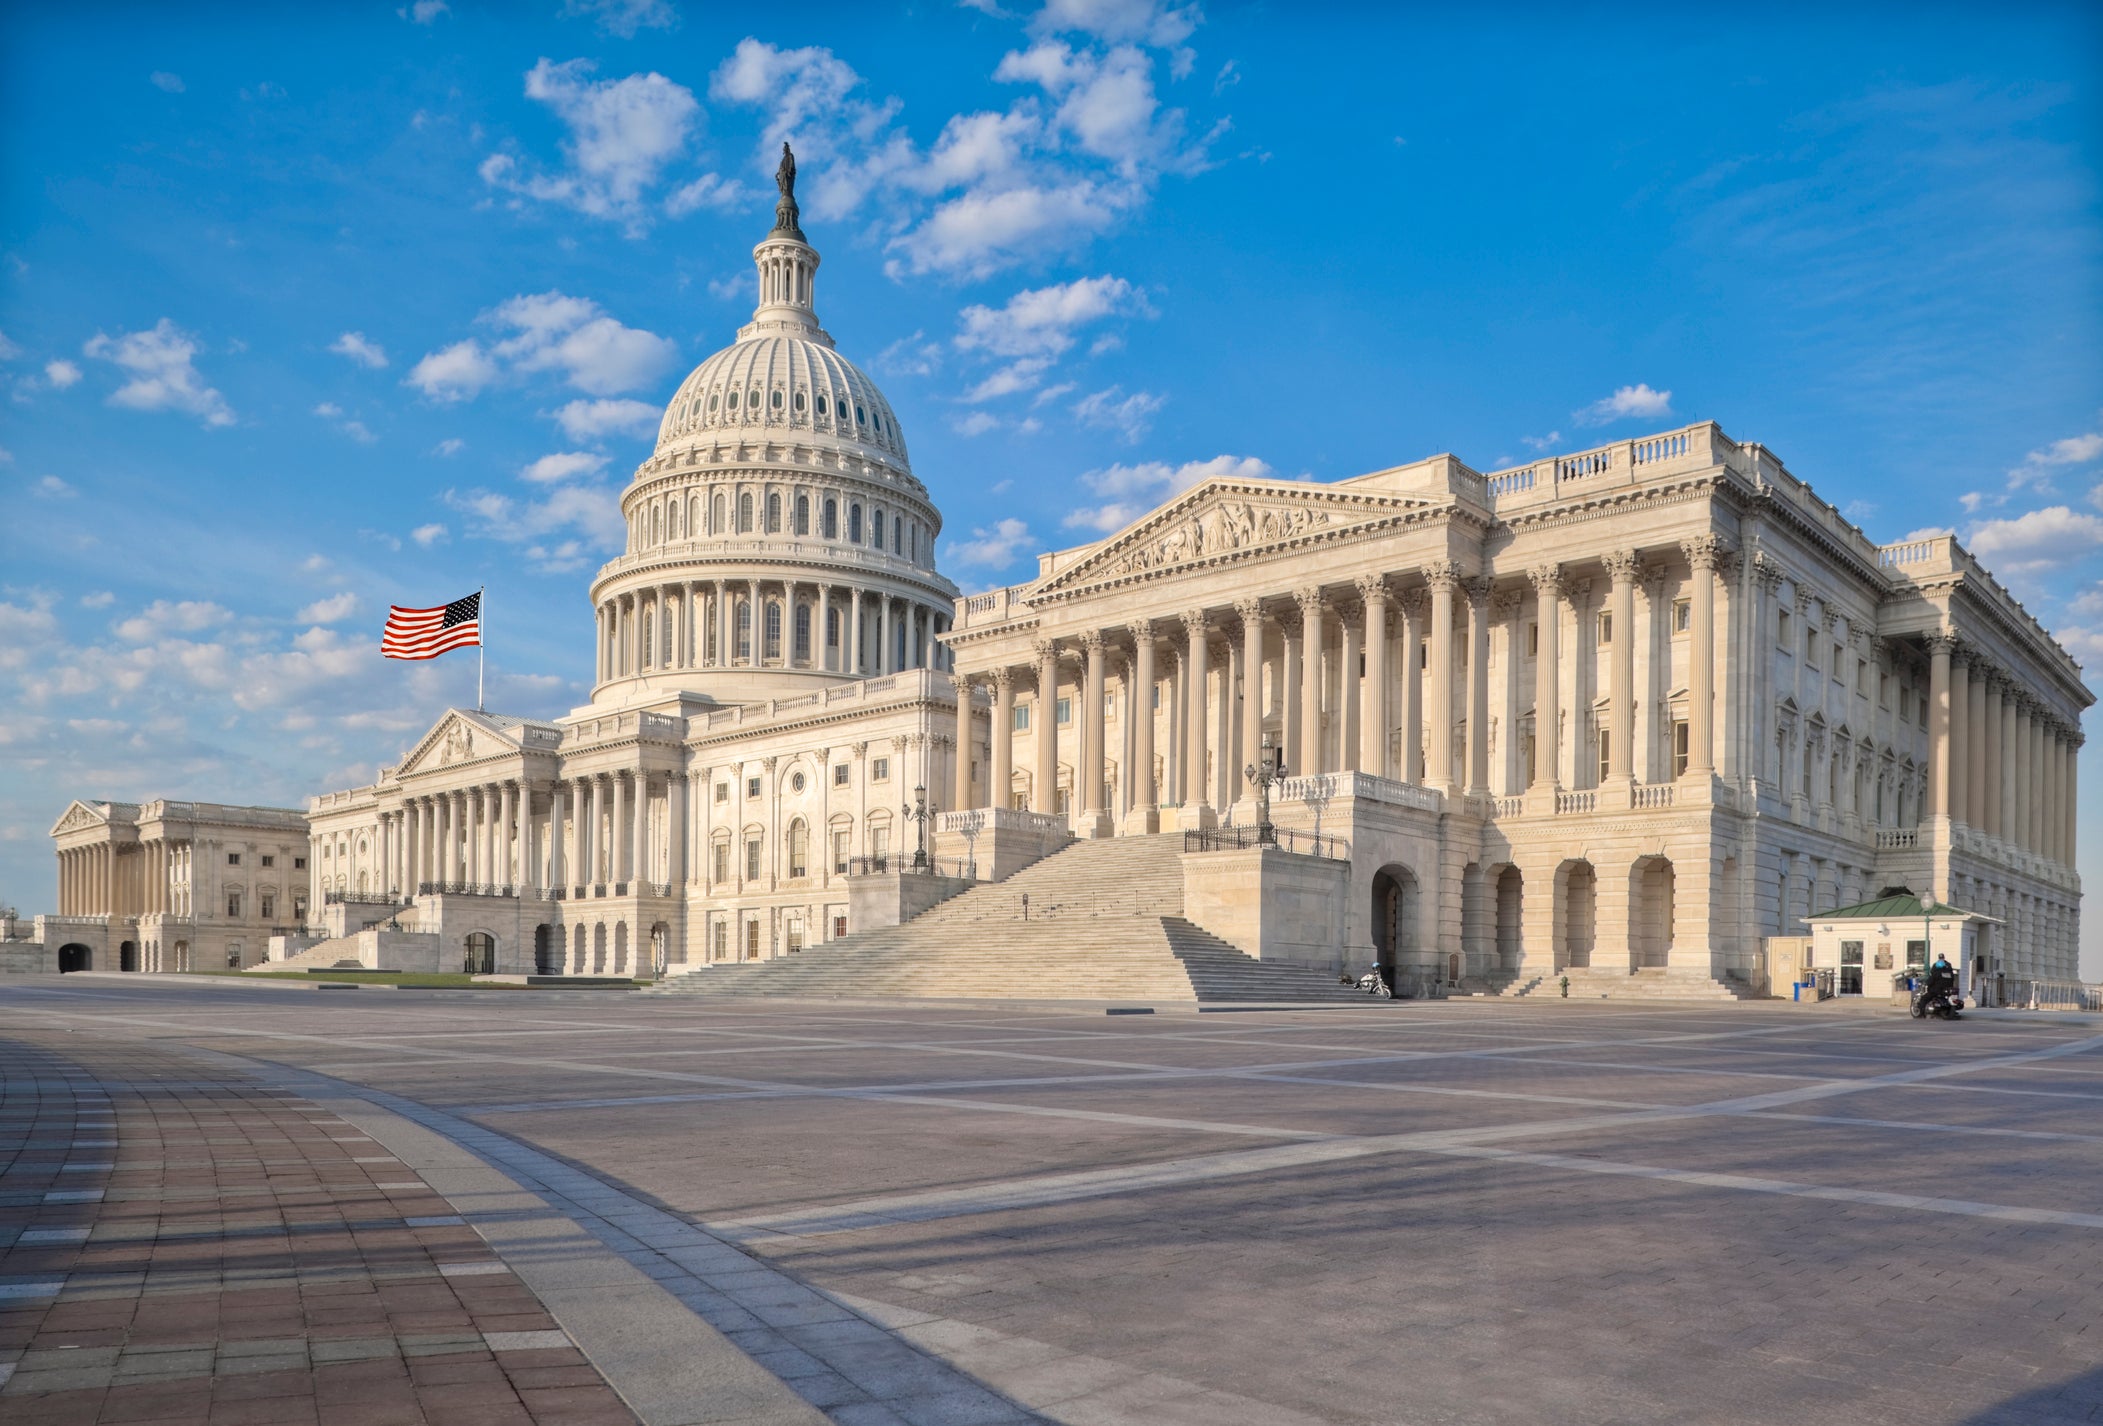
(773, 386)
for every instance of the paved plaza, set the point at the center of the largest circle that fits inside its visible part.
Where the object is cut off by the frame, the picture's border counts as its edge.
(246, 1203)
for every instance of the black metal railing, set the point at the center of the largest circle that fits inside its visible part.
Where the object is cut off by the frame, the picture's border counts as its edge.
(464, 888)
(1241, 839)
(908, 866)
(360, 898)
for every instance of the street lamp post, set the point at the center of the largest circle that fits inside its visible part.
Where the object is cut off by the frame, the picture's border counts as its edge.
(1269, 767)
(916, 811)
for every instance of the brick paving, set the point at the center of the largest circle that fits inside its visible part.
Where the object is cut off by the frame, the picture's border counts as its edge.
(179, 1246)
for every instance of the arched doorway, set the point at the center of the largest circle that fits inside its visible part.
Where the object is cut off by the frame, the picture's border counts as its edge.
(75, 957)
(620, 948)
(1394, 920)
(1650, 895)
(481, 956)
(547, 950)
(182, 955)
(1578, 898)
(127, 955)
(578, 950)
(660, 948)
(1511, 898)
(598, 949)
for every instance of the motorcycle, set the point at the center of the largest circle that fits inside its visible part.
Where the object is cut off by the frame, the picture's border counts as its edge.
(1937, 1004)
(1372, 984)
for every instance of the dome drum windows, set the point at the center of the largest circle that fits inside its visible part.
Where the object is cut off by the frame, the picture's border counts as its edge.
(831, 527)
(803, 515)
(799, 403)
(774, 513)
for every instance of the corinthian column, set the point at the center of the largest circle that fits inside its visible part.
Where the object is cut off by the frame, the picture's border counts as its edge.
(1478, 761)
(1702, 553)
(1372, 711)
(1251, 612)
(1044, 787)
(1960, 808)
(1547, 679)
(1145, 816)
(1622, 568)
(1095, 818)
(1000, 777)
(1197, 811)
(1939, 649)
(1313, 633)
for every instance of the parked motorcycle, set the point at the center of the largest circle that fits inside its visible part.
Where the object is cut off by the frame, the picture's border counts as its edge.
(1372, 984)
(1936, 1003)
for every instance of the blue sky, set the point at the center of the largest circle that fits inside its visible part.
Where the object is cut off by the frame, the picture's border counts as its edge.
(308, 309)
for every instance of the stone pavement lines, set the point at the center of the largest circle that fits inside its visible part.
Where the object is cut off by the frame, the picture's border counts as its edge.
(854, 1371)
(927, 1205)
(298, 1310)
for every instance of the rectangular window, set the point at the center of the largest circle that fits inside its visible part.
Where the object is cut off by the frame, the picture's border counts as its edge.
(1022, 716)
(1682, 615)
(1530, 769)
(752, 787)
(720, 950)
(795, 937)
(270, 861)
(839, 927)
(1110, 703)
(752, 940)
(1862, 677)
(1065, 712)
(1606, 756)
(839, 775)
(752, 859)
(1916, 953)
(839, 854)
(879, 769)
(722, 792)
(299, 863)
(1679, 749)
(233, 904)
(269, 906)
(233, 859)
(1533, 646)
(1784, 635)
(1839, 665)
(1606, 627)
(879, 842)
(721, 865)
(1424, 653)
(1157, 698)
(1811, 647)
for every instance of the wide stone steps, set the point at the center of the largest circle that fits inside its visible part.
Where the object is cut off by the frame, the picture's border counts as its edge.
(1607, 983)
(328, 955)
(1104, 923)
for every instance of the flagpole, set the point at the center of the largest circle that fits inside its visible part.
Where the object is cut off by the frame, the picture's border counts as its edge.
(481, 641)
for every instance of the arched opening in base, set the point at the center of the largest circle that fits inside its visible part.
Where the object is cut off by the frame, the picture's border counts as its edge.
(1394, 920)
(547, 950)
(1650, 895)
(127, 955)
(480, 956)
(75, 957)
(1577, 897)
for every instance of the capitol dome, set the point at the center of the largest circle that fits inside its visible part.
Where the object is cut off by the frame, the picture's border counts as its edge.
(777, 537)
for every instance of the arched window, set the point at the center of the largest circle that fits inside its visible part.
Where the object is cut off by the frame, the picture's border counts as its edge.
(773, 629)
(799, 402)
(744, 630)
(831, 526)
(854, 524)
(775, 401)
(898, 537)
(649, 644)
(912, 543)
(716, 525)
(876, 526)
(821, 403)
(693, 517)
(774, 513)
(672, 520)
(803, 514)
(799, 849)
(745, 513)
(732, 401)
(803, 632)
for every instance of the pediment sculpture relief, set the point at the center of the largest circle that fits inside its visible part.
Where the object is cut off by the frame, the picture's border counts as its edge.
(459, 746)
(1228, 525)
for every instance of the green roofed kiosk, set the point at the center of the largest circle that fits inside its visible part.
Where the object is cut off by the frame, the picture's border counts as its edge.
(1866, 945)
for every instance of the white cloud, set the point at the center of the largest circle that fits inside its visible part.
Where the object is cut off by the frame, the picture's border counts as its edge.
(586, 512)
(1541, 443)
(161, 364)
(61, 373)
(53, 488)
(332, 413)
(563, 465)
(977, 423)
(993, 548)
(187, 616)
(167, 83)
(450, 446)
(623, 134)
(425, 12)
(2040, 540)
(359, 349)
(1627, 401)
(1042, 320)
(1135, 489)
(329, 610)
(910, 356)
(710, 190)
(1015, 376)
(2035, 473)
(623, 17)
(98, 599)
(428, 535)
(589, 420)
(1147, 20)
(1110, 409)
(550, 332)
(8, 350)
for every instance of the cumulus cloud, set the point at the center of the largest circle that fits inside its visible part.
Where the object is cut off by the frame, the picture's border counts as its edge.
(1110, 409)
(1132, 490)
(590, 420)
(623, 17)
(623, 136)
(187, 616)
(976, 423)
(336, 416)
(329, 610)
(1080, 148)
(161, 365)
(98, 599)
(428, 535)
(549, 332)
(590, 514)
(2038, 467)
(359, 349)
(1147, 20)
(2038, 541)
(425, 12)
(563, 465)
(994, 547)
(450, 446)
(1627, 401)
(52, 488)
(61, 374)
(1038, 325)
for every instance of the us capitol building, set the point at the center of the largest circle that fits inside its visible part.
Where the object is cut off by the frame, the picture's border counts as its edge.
(1629, 711)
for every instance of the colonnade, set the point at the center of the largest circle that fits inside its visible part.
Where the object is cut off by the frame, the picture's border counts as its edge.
(1441, 711)
(124, 879)
(595, 831)
(723, 623)
(1999, 760)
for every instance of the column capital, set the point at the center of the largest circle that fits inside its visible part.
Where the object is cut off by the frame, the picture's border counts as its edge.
(1478, 591)
(1045, 650)
(1372, 588)
(1442, 574)
(1003, 678)
(1091, 641)
(1250, 610)
(1194, 623)
(1941, 644)
(1622, 566)
(1546, 578)
(1507, 604)
(1705, 552)
(1141, 631)
(1411, 603)
(1769, 574)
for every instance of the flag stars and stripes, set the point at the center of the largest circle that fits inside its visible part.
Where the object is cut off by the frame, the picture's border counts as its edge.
(427, 633)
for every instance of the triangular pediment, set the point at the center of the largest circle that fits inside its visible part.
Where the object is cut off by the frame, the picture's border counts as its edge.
(79, 817)
(460, 737)
(1224, 519)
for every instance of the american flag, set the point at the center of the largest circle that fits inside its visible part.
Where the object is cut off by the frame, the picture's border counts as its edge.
(427, 633)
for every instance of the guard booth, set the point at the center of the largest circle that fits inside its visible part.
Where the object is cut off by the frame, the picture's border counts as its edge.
(1868, 946)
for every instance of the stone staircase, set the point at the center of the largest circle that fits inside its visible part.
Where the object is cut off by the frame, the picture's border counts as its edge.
(1104, 922)
(328, 955)
(1609, 983)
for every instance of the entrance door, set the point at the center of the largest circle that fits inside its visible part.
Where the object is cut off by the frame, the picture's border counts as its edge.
(75, 957)
(128, 955)
(481, 957)
(1851, 967)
